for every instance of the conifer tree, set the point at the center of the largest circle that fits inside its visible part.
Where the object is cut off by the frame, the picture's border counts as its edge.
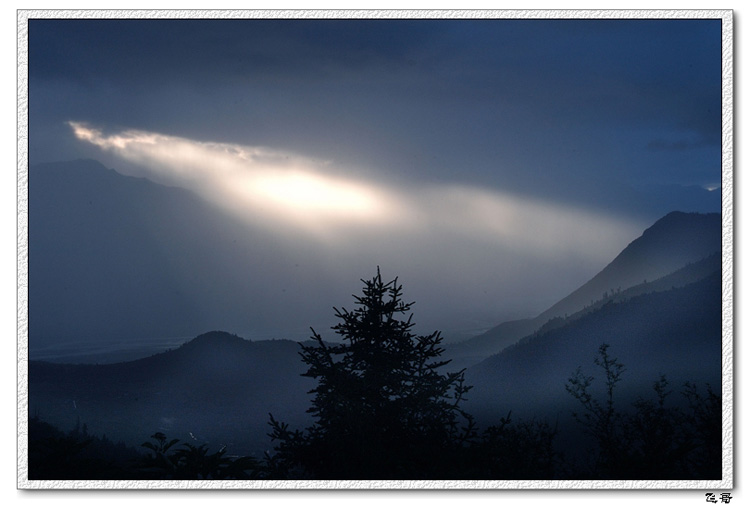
(382, 408)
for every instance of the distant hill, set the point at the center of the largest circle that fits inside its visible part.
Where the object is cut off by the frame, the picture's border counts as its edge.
(217, 388)
(117, 241)
(675, 332)
(673, 242)
(113, 257)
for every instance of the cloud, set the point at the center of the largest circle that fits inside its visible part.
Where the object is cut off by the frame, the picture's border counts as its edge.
(286, 191)
(470, 256)
(510, 102)
(663, 145)
(198, 50)
(260, 185)
(523, 225)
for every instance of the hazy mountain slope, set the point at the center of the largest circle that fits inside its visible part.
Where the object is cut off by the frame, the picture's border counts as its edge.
(218, 387)
(84, 221)
(671, 243)
(476, 349)
(693, 272)
(113, 257)
(675, 332)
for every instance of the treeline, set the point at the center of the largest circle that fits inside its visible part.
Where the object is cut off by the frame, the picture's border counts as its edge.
(76, 454)
(654, 440)
(383, 409)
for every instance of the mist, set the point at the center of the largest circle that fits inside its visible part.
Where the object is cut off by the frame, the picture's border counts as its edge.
(495, 252)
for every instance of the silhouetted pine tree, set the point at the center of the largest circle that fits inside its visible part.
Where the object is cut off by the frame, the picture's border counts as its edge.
(381, 408)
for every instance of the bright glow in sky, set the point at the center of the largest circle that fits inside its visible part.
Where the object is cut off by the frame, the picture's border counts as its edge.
(310, 193)
(255, 183)
(281, 190)
(493, 165)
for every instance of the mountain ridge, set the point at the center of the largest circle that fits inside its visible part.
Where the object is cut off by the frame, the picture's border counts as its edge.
(676, 332)
(217, 387)
(105, 247)
(669, 245)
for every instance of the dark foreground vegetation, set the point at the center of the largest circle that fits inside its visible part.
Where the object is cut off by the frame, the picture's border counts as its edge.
(386, 408)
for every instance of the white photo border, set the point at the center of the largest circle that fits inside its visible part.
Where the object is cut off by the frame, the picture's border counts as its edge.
(726, 17)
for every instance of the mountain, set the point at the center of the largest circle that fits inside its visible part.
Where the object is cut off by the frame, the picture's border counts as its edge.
(670, 244)
(217, 388)
(675, 332)
(100, 241)
(116, 261)
(114, 258)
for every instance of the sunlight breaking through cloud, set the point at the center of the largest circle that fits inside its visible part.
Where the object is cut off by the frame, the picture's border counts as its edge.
(524, 224)
(285, 191)
(252, 182)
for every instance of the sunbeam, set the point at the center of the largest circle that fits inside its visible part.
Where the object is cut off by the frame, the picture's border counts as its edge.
(283, 190)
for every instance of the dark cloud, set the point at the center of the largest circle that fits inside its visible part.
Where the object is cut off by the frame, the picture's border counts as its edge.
(211, 52)
(565, 110)
(678, 146)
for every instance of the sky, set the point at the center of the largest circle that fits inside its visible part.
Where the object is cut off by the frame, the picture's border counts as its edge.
(539, 107)
(494, 165)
